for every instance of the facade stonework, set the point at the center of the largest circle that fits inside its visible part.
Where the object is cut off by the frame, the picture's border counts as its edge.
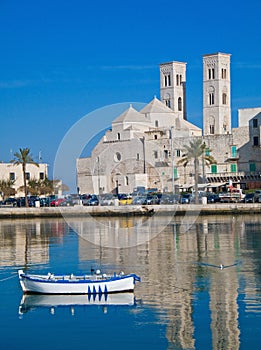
(143, 148)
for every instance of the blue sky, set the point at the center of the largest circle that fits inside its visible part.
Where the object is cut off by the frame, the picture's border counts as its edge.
(61, 60)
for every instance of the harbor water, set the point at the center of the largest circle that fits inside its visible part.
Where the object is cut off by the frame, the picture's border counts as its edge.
(200, 283)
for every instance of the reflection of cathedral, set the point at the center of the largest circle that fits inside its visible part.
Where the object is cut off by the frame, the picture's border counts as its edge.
(169, 265)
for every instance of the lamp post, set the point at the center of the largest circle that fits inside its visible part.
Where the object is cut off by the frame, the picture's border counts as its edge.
(172, 159)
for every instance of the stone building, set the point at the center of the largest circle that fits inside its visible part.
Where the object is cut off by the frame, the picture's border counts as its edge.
(143, 148)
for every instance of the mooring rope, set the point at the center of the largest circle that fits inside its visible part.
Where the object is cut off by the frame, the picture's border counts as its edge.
(7, 278)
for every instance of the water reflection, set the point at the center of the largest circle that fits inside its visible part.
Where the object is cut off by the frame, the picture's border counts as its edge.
(180, 281)
(53, 302)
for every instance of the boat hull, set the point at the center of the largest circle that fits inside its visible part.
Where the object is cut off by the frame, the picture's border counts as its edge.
(74, 285)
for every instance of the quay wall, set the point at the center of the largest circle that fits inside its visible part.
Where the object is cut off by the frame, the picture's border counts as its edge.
(132, 210)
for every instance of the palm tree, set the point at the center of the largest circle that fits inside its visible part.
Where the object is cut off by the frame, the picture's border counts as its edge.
(193, 152)
(6, 188)
(23, 158)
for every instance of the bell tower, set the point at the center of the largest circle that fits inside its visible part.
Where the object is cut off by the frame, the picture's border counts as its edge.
(173, 87)
(216, 94)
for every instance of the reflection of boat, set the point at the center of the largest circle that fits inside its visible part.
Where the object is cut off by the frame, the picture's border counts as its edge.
(32, 301)
(70, 284)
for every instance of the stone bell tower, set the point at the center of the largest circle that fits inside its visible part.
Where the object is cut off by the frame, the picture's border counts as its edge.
(216, 94)
(173, 87)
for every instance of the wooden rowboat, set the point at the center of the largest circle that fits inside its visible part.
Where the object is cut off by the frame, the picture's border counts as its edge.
(71, 284)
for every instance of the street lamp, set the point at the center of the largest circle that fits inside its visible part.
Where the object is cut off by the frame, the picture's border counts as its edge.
(172, 158)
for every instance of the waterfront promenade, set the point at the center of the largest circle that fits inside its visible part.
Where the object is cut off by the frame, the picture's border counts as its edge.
(132, 210)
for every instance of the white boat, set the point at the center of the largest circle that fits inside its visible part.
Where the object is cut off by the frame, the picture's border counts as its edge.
(71, 284)
(34, 301)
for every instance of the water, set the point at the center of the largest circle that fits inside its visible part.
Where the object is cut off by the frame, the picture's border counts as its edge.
(185, 300)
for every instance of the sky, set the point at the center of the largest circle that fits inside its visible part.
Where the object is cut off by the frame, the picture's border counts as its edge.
(62, 60)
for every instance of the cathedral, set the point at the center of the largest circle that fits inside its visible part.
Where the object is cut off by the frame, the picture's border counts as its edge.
(143, 147)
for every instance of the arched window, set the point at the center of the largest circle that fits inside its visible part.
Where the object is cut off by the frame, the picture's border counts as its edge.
(211, 98)
(179, 104)
(156, 123)
(212, 129)
(118, 136)
(224, 98)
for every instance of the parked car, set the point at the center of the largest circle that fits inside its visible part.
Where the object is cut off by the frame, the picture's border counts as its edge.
(124, 199)
(256, 195)
(152, 199)
(85, 198)
(213, 198)
(93, 200)
(250, 198)
(107, 199)
(139, 200)
(185, 198)
(10, 202)
(57, 202)
(169, 198)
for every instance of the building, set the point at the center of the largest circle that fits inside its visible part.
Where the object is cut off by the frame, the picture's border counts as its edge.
(9, 171)
(143, 148)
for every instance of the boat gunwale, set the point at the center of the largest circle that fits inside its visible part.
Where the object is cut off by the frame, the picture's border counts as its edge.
(75, 279)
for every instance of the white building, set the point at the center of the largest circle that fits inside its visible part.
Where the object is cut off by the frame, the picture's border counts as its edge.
(9, 171)
(143, 147)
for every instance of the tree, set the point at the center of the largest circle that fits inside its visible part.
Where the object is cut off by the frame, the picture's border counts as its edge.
(195, 151)
(40, 187)
(23, 158)
(6, 188)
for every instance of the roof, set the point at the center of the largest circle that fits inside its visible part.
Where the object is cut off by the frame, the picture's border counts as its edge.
(131, 115)
(156, 106)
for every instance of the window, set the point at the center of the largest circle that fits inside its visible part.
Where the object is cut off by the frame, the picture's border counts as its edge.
(255, 123)
(138, 156)
(156, 123)
(169, 80)
(179, 104)
(118, 136)
(234, 151)
(223, 73)
(211, 98)
(41, 176)
(175, 173)
(117, 157)
(233, 168)
(212, 129)
(213, 168)
(252, 166)
(178, 79)
(224, 99)
(12, 176)
(155, 154)
(255, 141)
(155, 137)
(27, 176)
(166, 153)
(207, 152)
(168, 103)
(211, 73)
(126, 181)
(178, 153)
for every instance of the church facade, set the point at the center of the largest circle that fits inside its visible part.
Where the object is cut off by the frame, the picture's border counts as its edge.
(143, 147)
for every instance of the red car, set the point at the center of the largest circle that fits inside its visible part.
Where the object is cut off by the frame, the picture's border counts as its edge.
(56, 202)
